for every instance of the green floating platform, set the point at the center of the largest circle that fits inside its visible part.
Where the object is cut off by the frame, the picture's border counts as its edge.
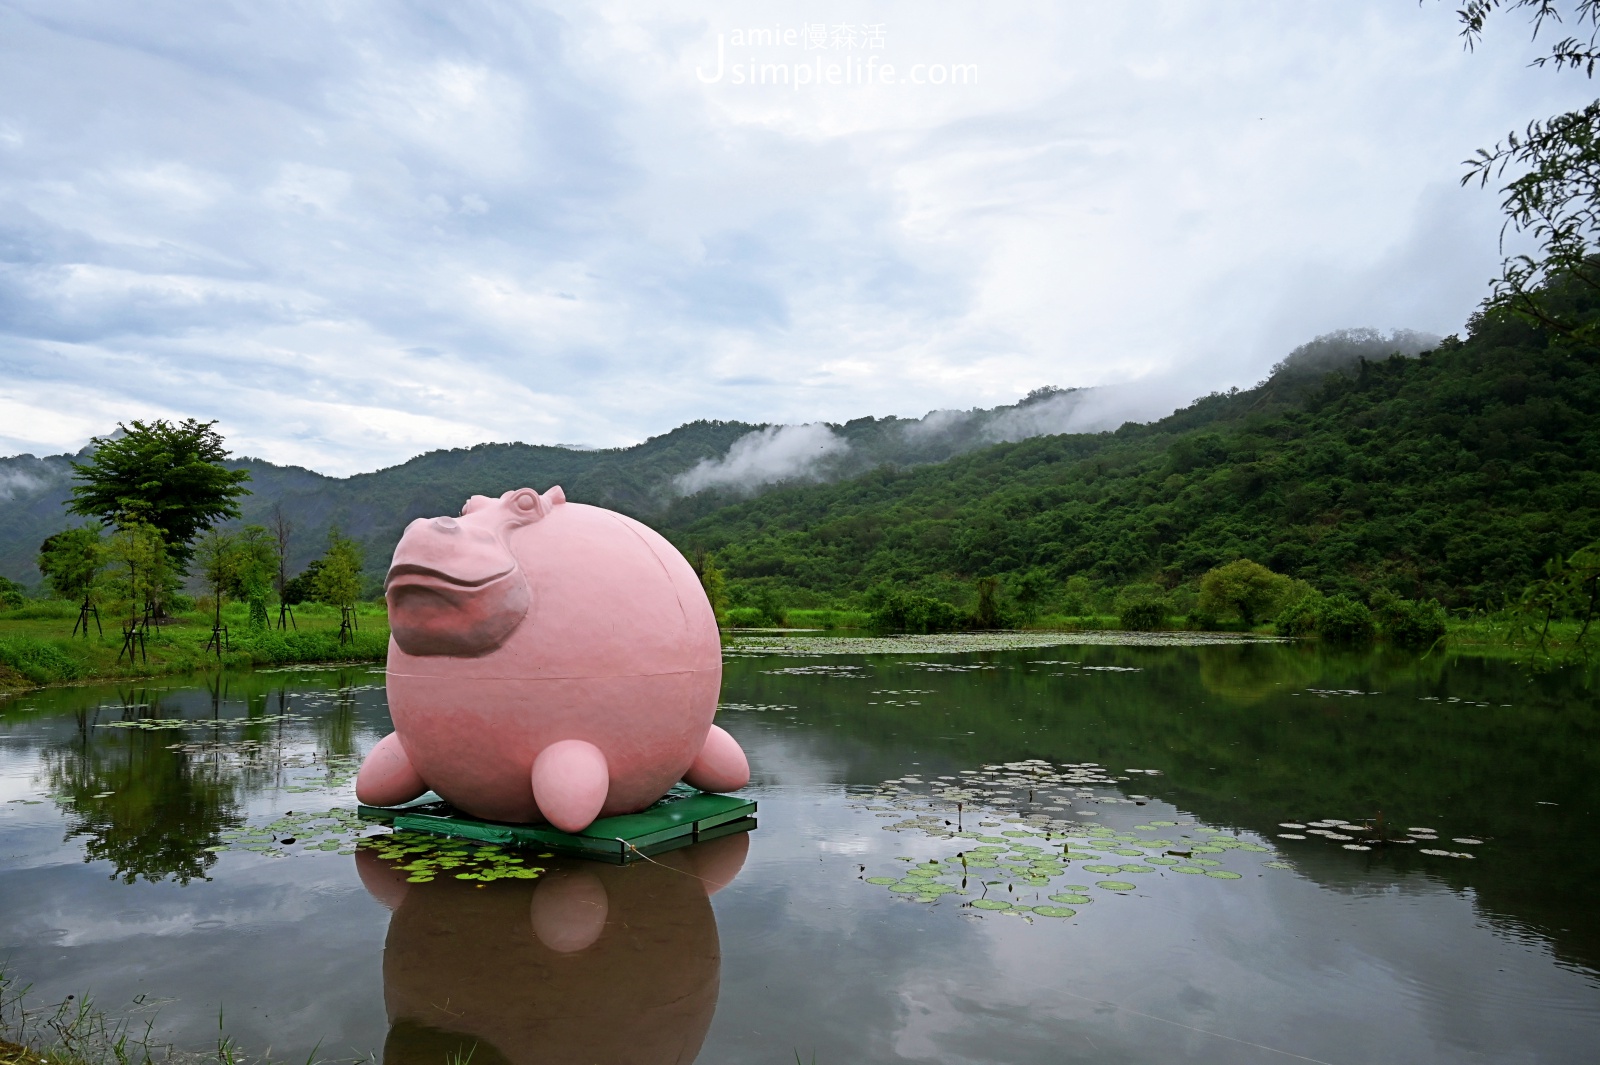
(684, 816)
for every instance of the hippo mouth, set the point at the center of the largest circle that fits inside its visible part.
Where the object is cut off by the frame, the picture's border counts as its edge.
(432, 612)
(414, 573)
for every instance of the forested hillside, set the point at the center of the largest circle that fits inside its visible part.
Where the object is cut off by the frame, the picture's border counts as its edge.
(374, 508)
(642, 480)
(1455, 475)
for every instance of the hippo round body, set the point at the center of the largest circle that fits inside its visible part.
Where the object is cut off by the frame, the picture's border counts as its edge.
(549, 661)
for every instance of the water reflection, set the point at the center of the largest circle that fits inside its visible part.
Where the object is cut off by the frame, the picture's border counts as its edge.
(136, 802)
(154, 798)
(589, 963)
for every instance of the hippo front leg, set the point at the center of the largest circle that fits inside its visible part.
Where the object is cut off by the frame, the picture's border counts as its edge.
(387, 777)
(570, 782)
(720, 765)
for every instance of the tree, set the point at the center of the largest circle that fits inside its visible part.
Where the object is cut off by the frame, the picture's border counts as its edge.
(71, 562)
(1556, 196)
(715, 585)
(257, 564)
(11, 594)
(218, 555)
(989, 613)
(303, 589)
(1031, 589)
(338, 581)
(282, 530)
(143, 575)
(1243, 587)
(169, 477)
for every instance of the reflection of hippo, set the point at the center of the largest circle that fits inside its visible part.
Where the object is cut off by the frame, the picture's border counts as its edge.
(549, 661)
(589, 963)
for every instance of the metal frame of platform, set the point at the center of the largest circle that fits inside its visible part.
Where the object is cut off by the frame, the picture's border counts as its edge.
(681, 818)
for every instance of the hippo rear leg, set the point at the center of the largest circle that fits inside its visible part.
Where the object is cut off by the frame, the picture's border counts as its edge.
(570, 782)
(720, 765)
(387, 777)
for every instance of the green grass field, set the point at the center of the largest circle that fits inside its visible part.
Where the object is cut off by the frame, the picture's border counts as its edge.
(37, 646)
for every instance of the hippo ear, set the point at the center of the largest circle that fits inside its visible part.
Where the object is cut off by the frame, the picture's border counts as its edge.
(475, 503)
(554, 496)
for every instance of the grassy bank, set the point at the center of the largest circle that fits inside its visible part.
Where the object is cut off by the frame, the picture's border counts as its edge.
(37, 646)
(77, 1031)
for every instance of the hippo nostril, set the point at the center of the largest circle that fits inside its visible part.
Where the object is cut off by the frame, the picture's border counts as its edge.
(447, 524)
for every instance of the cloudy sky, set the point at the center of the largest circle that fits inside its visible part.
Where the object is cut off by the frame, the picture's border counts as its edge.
(355, 231)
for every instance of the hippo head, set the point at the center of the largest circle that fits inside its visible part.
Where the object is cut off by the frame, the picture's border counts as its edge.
(454, 587)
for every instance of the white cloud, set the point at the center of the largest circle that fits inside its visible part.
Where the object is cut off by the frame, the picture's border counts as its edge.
(501, 221)
(768, 456)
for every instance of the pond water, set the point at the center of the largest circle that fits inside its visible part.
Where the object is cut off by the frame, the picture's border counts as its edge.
(1241, 853)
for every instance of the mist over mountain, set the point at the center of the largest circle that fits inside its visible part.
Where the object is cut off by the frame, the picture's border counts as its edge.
(668, 480)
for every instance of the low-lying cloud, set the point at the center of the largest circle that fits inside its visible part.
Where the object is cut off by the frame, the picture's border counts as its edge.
(769, 456)
(15, 482)
(1332, 352)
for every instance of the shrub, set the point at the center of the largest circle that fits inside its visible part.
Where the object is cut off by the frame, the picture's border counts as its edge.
(745, 617)
(43, 609)
(1300, 617)
(1146, 615)
(1343, 619)
(1412, 623)
(1242, 587)
(893, 610)
(12, 595)
(39, 661)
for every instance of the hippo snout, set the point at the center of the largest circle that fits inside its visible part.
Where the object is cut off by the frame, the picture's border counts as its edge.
(453, 589)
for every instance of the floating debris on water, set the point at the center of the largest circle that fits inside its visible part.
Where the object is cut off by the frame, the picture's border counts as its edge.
(960, 642)
(758, 708)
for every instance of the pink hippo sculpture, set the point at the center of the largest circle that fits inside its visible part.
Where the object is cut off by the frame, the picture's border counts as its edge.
(549, 661)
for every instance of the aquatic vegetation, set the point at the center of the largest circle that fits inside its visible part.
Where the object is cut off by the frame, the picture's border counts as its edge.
(1370, 835)
(337, 830)
(425, 857)
(1037, 850)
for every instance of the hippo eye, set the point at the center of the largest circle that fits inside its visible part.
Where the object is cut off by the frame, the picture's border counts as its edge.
(526, 501)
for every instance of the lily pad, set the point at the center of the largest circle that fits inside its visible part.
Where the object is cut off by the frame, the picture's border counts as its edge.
(1103, 869)
(1117, 885)
(990, 904)
(882, 881)
(1222, 874)
(1055, 911)
(1187, 869)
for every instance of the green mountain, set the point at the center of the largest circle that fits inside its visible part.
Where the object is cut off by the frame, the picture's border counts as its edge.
(645, 480)
(375, 508)
(1453, 475)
